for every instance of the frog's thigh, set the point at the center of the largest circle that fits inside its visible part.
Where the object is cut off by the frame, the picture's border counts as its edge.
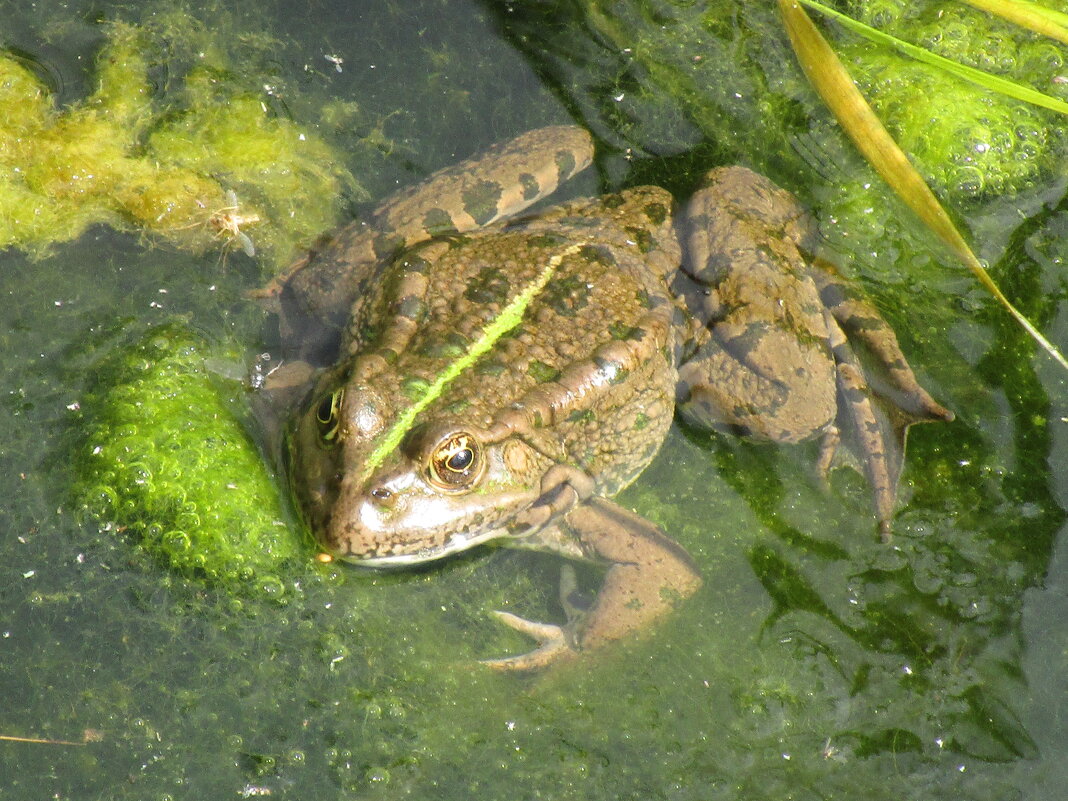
(781, 389)
(495, 184)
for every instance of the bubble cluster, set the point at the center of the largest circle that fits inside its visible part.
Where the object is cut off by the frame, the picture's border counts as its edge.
(968, 141)
(879, 13)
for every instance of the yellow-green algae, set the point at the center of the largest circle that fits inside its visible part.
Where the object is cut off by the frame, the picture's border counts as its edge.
(968, 140)
(166, 459)
(167, 160)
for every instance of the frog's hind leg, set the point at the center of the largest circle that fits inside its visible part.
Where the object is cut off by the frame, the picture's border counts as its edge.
(494, 185)
(879, 415)
(730, 384)
(890, 376)
(880, 440)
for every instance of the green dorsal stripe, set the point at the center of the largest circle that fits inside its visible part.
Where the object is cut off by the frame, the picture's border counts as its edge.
(509, 318)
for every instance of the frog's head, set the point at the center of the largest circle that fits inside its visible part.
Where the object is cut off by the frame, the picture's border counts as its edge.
(382, 493)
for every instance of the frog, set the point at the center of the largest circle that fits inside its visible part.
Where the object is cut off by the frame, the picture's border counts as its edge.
(463, 369)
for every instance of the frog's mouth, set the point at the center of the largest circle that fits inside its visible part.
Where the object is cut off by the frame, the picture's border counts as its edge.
(456, 543)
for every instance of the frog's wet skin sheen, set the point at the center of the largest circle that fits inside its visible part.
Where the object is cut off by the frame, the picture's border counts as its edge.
(504, 377)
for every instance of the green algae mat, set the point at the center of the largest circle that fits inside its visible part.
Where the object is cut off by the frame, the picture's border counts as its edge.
(165, 631)
(167, 461)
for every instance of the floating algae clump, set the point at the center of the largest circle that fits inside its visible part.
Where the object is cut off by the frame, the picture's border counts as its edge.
(167, 459)
(171, 160)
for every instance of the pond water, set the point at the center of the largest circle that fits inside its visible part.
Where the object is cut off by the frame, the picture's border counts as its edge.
(814, 663)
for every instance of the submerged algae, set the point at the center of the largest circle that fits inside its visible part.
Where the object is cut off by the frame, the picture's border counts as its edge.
(169, 163)
(167, 458)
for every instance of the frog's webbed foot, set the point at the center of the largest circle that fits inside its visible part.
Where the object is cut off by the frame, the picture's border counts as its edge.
(555, 644)
(648, 575)
(888, 372)
(880, 415)
(829, 449)
(268, 295)
(280, 386)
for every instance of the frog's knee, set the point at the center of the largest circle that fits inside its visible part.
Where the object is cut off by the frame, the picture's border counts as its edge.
(773, 415)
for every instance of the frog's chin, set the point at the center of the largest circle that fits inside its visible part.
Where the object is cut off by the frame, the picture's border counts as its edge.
(455, 544)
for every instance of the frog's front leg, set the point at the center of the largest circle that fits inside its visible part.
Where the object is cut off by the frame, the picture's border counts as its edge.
(648, 574)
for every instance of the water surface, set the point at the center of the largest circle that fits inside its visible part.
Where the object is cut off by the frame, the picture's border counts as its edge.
(814, 663)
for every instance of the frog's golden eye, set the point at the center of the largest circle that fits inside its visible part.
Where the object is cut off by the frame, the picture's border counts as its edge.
(328, 415)
(456, 462)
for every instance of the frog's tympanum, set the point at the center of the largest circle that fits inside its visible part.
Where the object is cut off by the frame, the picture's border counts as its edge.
(497, 376)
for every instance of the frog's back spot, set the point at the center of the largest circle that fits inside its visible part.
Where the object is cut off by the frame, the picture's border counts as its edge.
(483, 201)
(530, 186)
(566, 164)
(438, 222)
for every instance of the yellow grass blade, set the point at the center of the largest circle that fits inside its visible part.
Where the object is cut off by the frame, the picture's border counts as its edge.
(39, 740)
(859, 121)
(1032, 16)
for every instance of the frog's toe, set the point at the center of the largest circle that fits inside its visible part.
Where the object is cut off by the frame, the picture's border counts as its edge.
(555, 644)
(575, 601)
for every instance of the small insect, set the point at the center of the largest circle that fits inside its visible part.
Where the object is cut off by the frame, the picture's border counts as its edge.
(334, 59)
(228, 220)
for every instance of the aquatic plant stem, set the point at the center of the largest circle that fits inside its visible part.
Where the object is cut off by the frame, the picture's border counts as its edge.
(834, 84)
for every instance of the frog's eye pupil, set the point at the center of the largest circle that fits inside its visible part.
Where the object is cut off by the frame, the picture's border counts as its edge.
(460, 460)
(325, 410)
(456, 462)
